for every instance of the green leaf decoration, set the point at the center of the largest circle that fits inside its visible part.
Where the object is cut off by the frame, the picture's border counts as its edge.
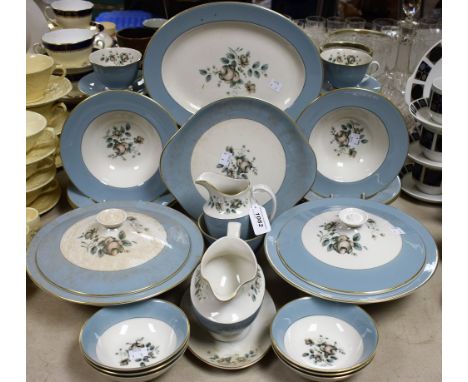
(325, 242)
(264, 67)
(93, 250)
(122, 235)
(357, 246)
(357, 237)
(257, 74)
(208, 78)
(231, 56)
(364, 141)
(256, 65)
(249, 72)
(330, 247)
(203, 72)
(109, 145)
(127, 126)
(224, 60)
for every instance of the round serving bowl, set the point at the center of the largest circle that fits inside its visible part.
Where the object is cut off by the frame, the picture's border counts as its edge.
(137, 340)
(227, 321)
(323, 338)
(253, 242)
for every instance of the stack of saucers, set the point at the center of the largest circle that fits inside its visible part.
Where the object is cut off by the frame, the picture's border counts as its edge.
(136, 342)
(322, 340)
(425, 180)
(42, 188)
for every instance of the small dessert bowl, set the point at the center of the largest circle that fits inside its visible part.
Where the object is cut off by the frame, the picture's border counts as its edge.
(227, 321)
(136, 342)
(346, 63)
(116, 68)
(323, 339)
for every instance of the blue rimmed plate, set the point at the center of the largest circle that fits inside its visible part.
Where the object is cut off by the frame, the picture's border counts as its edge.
(386, 196)
(77, 200)
(360, 141)
(91, 85)
(368, 82)
(264, 144)
(111, 146)
(115, 268)
(220, 50)
(347, 253)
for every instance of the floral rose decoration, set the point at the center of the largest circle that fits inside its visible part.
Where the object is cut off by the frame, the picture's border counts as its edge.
(250, 87)
(112, 246)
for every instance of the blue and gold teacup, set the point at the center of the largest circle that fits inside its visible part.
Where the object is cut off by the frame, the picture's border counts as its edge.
(346, 63)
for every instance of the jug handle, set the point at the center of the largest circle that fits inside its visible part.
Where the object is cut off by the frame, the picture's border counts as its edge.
(268, 190)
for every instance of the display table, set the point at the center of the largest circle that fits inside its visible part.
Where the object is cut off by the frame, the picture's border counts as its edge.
(410, 329)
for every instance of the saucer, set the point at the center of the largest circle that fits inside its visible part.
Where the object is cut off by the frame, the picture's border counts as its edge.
(231, 355)
(368, 82)
(57, 88)
(419, 109)
(415, 152)
(408, 185)
(48, 199)
(90, 84)
(45, 146)
(42, 177)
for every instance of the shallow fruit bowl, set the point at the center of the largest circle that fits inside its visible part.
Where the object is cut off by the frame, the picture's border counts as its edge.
(135, 340)
(323, 338)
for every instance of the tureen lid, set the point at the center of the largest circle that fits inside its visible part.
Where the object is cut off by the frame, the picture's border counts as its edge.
(246, 302)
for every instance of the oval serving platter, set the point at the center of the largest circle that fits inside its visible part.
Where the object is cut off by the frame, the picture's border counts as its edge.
(111, 146)
(360, 141)
(228, 49)
(393, 215)
(262, 143)
(70, 275)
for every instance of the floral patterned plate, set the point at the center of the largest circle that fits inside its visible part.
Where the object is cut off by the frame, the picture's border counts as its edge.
(429, 68)
(231, 355)
(111, 145)
(360, 141)
(349, 263)
(75, 259)
(261, 142)
(386, 196)
(235, 49)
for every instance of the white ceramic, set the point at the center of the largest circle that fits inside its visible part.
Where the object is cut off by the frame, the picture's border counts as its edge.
(233, 355)
(69, 13)
(33, 219)
(227, 320)
(416, 153)
(228, 264)
(428, 180)
(55, 113)
(38, 70)
(435, 100)
(154, 23)
(138, 237)
(230, 200)
(45, 146)
(408, 185)
(69, 47)
(35, 125)
(39, 174)
(130, 162)
(353, 217)
(342, 160)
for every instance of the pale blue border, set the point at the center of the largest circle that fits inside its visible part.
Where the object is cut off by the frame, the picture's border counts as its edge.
(79, 120)
(149, 208)
(310, 306)
(85, 81)
(397, 136)
(277, 265)
(176, 158)
(229, 11)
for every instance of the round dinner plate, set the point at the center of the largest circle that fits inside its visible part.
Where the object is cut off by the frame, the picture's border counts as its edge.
(48, 267)
(111, 146)
(262, 142)
(336, 263)
(220, 50)
(360, 141)
(428, 69)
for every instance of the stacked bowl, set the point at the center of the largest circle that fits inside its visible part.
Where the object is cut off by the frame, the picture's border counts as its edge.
(322, 340)
(136, 342)
(425, 180)
(42, 188)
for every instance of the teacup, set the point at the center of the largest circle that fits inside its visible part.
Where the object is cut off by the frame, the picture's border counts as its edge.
(431, 143)
(116, 68)
(346, 63)
(53, 112)
(435, 100)
(35, 125)
(135, 38)
(69, 47)
(38, 70)
(154, 24)
(428, 180)
(33, 219)
(69, 13)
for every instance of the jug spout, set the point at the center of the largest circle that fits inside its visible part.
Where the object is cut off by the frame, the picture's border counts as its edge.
(219, 184)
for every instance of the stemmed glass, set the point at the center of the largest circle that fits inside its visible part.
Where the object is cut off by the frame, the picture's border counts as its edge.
(411, 8)
(316, 29)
